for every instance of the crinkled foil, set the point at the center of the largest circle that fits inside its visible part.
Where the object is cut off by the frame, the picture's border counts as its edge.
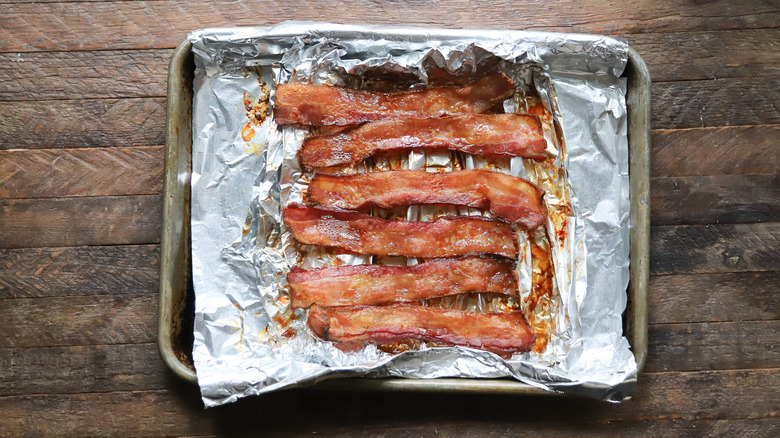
(247, 338)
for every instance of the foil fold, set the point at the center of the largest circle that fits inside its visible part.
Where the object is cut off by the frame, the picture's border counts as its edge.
(245, 169)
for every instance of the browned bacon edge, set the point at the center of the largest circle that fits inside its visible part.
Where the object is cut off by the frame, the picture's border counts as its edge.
(357, 232)
(516, 135)
(507, 196)
(376, 284)
(305, 104)
(503, 333)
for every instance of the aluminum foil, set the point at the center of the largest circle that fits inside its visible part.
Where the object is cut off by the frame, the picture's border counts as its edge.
(247, 338)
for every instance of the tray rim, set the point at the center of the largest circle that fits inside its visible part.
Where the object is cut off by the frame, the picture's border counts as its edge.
(175, 235)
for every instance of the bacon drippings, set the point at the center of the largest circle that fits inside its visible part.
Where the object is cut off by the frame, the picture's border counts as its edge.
(507, 196)
(357, 232)
(304, 104)
(516, 135)
(376, 284)
(502, 333)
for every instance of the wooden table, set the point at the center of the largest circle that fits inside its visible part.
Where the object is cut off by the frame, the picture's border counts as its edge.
(82, 114)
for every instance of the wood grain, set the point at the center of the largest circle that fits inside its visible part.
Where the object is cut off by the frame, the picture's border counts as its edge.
(713, 346)
(57, 173)
(73, 321)
(141, 122)
(131, 171)
(78, 369)
(716, 151)
(557, 429)
(742, 296)
(115, 25)
(82, 123)
(686, 104)
(83, 75)
(689, 396)
(79, 271)
(691, 249)
(685, 56)
(672, 56)
(715, 199)
(722, 102)
(30, 223)
(134, 269)
(137, 366)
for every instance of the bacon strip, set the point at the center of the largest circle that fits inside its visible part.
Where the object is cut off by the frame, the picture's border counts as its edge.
(516, 135)
(376, 284)
(304, 104)
(357, 232)
(507, 196)
(503, 333)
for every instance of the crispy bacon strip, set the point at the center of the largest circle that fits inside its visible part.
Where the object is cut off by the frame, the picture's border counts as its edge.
(304, 104)
(507, 196)
(357, 232)
(516, 135)
(503, 333)
(376, 284)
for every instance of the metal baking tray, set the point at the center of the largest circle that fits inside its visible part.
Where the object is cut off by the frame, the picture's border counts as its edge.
(176, 305)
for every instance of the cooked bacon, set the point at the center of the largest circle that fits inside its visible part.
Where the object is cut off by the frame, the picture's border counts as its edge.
(304, 104)
(516, 135)
(376, 284)
(357, 232)
(500, 332)
(507, 196)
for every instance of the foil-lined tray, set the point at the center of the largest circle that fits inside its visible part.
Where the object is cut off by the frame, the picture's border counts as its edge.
(244, 170)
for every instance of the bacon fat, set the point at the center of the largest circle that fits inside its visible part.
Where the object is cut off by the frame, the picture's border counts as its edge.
(507, 196)
(516, 135)
(357, 232)
(377, 284)
(314, 105)
(499, 332)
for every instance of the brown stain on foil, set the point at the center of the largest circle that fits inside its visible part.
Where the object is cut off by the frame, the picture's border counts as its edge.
(256, 112)
(398, 347)
(247, 132)
(541, 293)
(283, 320)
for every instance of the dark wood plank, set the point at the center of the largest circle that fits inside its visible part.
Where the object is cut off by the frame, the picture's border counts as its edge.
(743, 296)
(723, 102)
(83, 75)
(82, 123)
(691, 249)
(715, 199)
(713, 346)
(127, 367)
(557, 429)
(31, 223)
(141, 122)
(114, 25)
(119, 171)
(222, 422)
(716, 151)
(73, 321)
(691, 396)
(673, 56)
(79, 271)
(56, 173)
(79, 369)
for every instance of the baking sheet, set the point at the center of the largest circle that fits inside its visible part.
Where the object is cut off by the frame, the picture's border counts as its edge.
(239, 259)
